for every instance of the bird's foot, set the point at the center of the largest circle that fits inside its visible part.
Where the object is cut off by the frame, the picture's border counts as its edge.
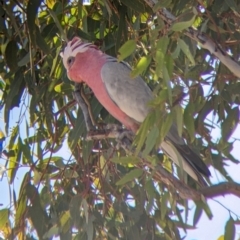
(125, 138)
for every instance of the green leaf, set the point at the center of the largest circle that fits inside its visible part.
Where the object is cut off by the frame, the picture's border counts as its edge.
(159, 63)
(104, 167)
(55, 62)
(162, 44)
(69, 173)
(89, 228)
(229, 233)
(230, 123)
(184, 47)
(179, 117)
(41, 42)
(122, 33)
(179, 214)
(161, 98)
(176, 52)
(108, 8)
(2, 85)
(189, 120)
(32, 10)
(22, 201)
(64, 219)
(25, 60)
(14, 160)
(74, 133)
(151, 140)
(232, 4)
(150, 190)
(207, 209)
(54, 230)
(134, 174)
(75, 207)
(35, 211)
(133, 232)
(2, 20)
(164, 205)
(166, 125)
(197, 214)
(50, 3)
(59, 26)
(179, 26)
(161, 4)
(11, 55)
(125, 160)
(87, 147)
(170, 66)
(27, 156)
(57, 160)
(85, 207)
(136, 5)
(14, 135)
(126, 49)
(166, 79)
(63, 88)
(142, 65)
(14, 95)
(37, 177)
(4, 218)
(142, 132)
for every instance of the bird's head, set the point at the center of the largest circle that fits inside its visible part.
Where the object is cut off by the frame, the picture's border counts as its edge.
(73, 47)
(76, 45)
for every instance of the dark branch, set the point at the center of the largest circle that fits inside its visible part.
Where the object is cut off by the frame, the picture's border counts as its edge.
(222, 189)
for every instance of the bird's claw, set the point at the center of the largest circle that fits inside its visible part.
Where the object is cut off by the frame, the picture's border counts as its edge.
(124, 138)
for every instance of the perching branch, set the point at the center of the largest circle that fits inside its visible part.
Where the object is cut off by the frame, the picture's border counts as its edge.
(204, 41)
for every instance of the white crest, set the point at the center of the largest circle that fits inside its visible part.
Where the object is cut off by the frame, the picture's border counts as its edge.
(73, 47)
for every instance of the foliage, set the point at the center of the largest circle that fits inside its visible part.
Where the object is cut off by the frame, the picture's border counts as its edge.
(100, 194)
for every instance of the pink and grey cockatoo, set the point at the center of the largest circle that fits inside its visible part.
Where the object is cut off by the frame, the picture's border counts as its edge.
(125, 98)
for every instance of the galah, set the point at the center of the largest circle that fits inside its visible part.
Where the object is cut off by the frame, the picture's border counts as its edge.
(125, 98)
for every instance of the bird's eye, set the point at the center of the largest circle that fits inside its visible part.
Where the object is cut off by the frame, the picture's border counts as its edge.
(70, 61)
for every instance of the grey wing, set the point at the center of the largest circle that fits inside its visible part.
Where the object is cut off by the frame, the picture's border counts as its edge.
(131, 95)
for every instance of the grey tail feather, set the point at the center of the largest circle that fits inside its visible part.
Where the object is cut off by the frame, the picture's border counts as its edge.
(197, 164)
(201, 180)
(193, 159)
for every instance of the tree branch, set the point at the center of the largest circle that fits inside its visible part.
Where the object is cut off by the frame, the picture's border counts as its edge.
(222, 189)
(204, 41)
